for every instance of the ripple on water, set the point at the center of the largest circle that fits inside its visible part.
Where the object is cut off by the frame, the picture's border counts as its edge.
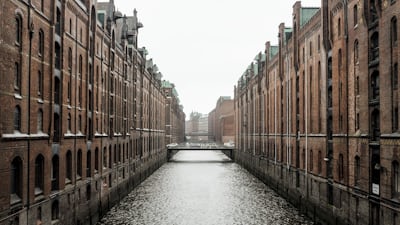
(201, 193)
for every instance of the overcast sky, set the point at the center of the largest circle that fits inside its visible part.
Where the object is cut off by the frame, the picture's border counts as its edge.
(204, 46)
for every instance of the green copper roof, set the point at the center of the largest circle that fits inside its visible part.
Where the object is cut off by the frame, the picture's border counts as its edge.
(166, 84)
(306, 14)
(288, 34)
(273, 51)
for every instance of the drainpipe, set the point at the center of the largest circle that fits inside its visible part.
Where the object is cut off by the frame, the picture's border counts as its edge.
(346, 36)
(288, 153)
(275, 124)
(31, 32)
(306, 106)
(254, 124)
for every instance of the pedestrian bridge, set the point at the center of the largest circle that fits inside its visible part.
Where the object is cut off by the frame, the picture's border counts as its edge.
(174, 148)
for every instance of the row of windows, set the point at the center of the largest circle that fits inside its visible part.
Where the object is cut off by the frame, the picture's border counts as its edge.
(18, 36)
(16, 173)
(17, 119)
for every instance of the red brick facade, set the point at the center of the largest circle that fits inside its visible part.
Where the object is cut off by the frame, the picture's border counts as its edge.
(317, 115)
(221, 125)
(83, 111)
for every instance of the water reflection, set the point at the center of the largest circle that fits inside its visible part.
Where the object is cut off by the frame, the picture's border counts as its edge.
(207, 191)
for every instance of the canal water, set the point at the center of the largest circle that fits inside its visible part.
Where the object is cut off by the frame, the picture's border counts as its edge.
(203, 188)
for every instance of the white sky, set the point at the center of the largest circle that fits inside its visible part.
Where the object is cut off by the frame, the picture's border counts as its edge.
(204, 46)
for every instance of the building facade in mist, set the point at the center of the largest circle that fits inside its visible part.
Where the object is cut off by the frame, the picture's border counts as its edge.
(174, 115)
(312, 119)
(221, 125)
(196, 128)
(83, 116)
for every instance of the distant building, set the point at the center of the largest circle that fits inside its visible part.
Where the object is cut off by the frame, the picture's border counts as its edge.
(221, 121)
(197, 127)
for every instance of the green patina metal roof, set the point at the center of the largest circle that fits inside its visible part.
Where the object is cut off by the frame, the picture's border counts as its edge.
(166, 84)
(273, 51)
(306, 14)
(288, 34)
(255, 69)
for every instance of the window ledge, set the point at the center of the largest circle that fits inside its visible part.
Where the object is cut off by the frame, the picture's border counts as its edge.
(15, 199)
(21, 136)
(17, 96)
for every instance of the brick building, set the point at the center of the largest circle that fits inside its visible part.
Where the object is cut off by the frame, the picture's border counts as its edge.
(311, 118)
(85, 116)
(174, 115)
(221, 121)
(196, 128)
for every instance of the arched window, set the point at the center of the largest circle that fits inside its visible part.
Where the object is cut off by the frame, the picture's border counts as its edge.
(56, 127)
(79, 164)
(89, 164)
(41, 43)
(88, 192)
(373, 15)
(42, 5)
(119, 153)
(110, 157)
(115, 154)
(57, 91)
(57, 60)
(39, 215)
(395, 179)
(356, 52)
(40, 121)
(96, 159)
(375, 85)
(17, 118)
(374, 48)
(339, 27)
(393, 31)
(341, 167)
(105, 157)
(330, 96)
(17, 78)
(70, 26)
(69, 123)
(319, 162)
(80, 123)
(357, 170)
(40, 84)
(355, 15)
(58, 21)
(80, 66)
(16, 180)
(375, 125)
(69, 58)
(39, 174)
(18, 30)
(395, 76)
(54, 210)
(55, 173)
(68, 165)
